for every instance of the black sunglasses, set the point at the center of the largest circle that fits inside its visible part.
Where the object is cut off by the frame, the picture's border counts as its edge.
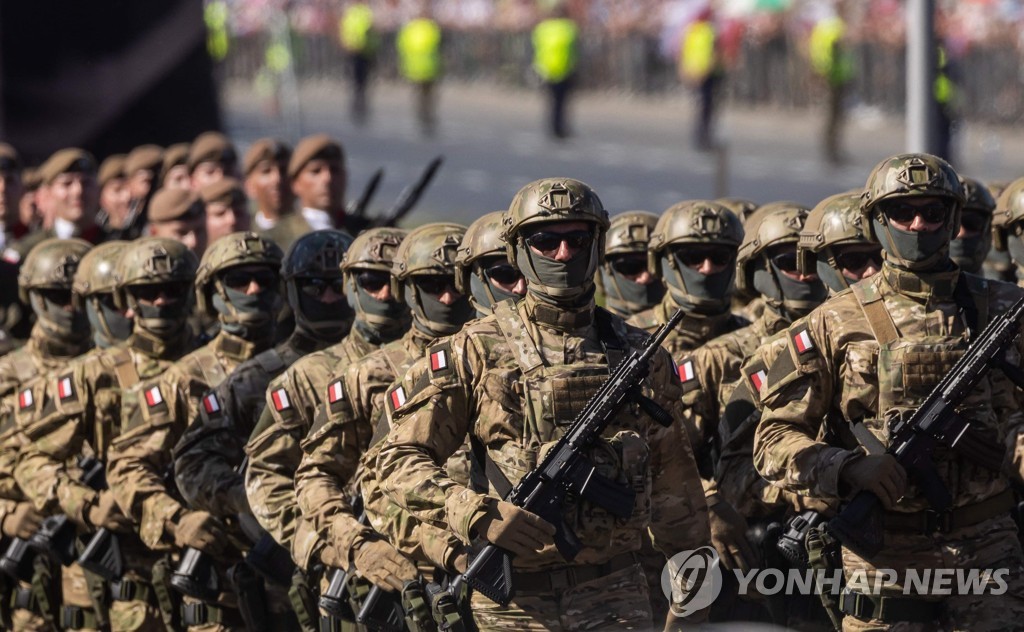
(546, 242)
(316, 287)
(434, 285)
(859, 260)
(784, 261)
(373, 280)
(154, 291)
(694, 257)
(903, 212)
(240, 279)
(55, 296)
(629, 266)
(106, 299)
(503, 273)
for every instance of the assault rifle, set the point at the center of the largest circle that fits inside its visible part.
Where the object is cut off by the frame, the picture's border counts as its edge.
(913, 438)
(565, 470)
(337, 601)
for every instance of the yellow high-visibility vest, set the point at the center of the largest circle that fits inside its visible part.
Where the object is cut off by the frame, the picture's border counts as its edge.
(355, 28)
(419, 50)
(554, 48)
(944, 88)
(215, 15)
(698, 57)
(824, 44)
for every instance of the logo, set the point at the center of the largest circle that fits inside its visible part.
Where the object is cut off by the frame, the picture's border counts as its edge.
(692, 580)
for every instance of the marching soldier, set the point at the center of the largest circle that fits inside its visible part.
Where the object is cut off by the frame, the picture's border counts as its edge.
(854, 366)
(509, 383)
(265, 169)
(237, 280)
(319, 181)
(211, 157)
(628, 286)
(972, 242)
(836, 244)
(82, 408)
(482, 272)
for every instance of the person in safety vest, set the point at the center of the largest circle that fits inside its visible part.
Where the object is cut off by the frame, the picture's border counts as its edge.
(419, 61)
(700, 66)
(832, 60)
(555, 46)
(360, 41)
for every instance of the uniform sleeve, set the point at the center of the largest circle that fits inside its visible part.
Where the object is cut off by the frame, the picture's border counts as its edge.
(140, 459)
(207, 457)
(51, 438)
(428, 427)
(796, 397)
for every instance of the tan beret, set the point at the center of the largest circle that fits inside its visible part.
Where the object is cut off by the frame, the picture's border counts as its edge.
(265, 149)
(149, 157)
(210, 147)
(316, 146)
(9, 158)
(30, 178)
(225, 190)
(64, 161)
(175, 155)
(173, 204)
(112, 167)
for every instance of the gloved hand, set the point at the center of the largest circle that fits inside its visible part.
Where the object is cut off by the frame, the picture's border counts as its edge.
(516, 530)
(729, 537)
(383, 564)
(105, 513)
(879, 474)
(22, 522)
(200, 530)
(332, 557)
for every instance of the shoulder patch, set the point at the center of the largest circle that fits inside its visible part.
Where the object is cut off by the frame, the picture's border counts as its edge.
(336, 395)
(757, 375)
(26, 399)
(802, 340)
(396, 397)
(280, 399)
(687, 372)
(440, 359)
(66, 389)
(211, 404)
(154, 397)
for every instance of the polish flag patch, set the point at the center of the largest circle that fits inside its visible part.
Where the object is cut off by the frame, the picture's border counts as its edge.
(397, 397)
(438, 360)
(686, 372)
(803, 342)
(757, 379)
(25, 399)
(280, 399)
(64, 388)
(210, 404)
(335, 393)
(154, 397)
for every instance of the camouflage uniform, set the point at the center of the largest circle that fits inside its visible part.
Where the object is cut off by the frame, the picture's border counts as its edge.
(875, 352)
(78, 413)
(628, 234)
(141, 456)
(1005, 222)
(510, 382)
(481, 247)
(51, 345)
(969, 252)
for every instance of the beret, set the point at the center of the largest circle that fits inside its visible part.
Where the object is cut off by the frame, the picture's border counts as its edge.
(310, 147)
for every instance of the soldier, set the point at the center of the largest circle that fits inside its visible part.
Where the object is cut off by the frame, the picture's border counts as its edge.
(237, 279)
(265, 169)
(225, 206)
(114, 195)
(866, 357)
(210, 158)
(174, 169)
(836, 244)
(483, 273)
(80, 413)
(423, 275)
(178, 214)
(294, 397)
(93, 292)
(141, 168)
(971, 244)
(318, 176)
(1008, 227)
(510, 383)
(628, 286)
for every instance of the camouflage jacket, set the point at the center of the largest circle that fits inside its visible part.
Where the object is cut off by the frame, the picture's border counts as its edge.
(78, 411)
(140, 458)
(873, 352)
(694, 330)
(511, 382)
(208, 455)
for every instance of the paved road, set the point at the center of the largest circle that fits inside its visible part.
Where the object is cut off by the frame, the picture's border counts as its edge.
(634, 151)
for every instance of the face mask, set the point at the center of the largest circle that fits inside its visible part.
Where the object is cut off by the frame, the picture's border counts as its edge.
(249, 316)
(706, 293)
(164, 320)
(557, 281)
(800, 297)
(109, 326)
(330, 320)
(437, 318)
(479, 289)
(835, 281)
(59, 322)
(381, 315)
(969, 253)
(635, 295)
(912, 250)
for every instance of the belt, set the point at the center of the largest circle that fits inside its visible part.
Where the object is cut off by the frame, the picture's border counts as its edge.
(564, 577)
(126, 589)
(931, 521)
(201, 614)
(77, 617)
(24, 599)
(888, 609)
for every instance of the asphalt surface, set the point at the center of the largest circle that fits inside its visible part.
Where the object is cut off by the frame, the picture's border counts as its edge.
(636, 152)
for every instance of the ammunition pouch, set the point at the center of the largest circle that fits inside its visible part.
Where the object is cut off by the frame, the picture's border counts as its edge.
(199, 613)
(196, 576)
(823, 557)
(416, 605)
(167, 598)
(792, 543)
(303, 600)
(46, 586)
(76, 618)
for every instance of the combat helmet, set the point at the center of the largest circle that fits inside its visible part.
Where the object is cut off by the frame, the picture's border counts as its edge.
(696, 222)
(316, 257)
(482, 239)
(772, 225)
(429, 250)
(374, 249)
(230, 251)
(628, 233)
(742, 207)
(907, 176)
(554, 200)
(979, 207)
(96, 277)
(51, 265)
(156, 261)
(835, 221)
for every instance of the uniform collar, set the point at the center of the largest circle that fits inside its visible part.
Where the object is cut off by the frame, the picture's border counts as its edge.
(706, 326)
(921, 285)
(159, 348)
(773, 319)
(235, 347)
(55, 347)
(566, 319)
(304, 342)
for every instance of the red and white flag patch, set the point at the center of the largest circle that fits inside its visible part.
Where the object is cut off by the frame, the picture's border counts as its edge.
(803, 342)
(154, 397)
(25, 399)
(280, 399)
(397, 397)
(210, 404)
(335, 393)
(686, 372)
(438, 360)
(64, 388)
(757, 379)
